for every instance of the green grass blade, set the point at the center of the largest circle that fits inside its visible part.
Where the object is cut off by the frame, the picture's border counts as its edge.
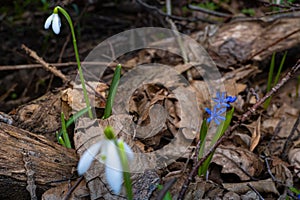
(204, 167)
(64, 131)
(76, 116)
(73, 118)
(203, 133)
(112, 92)
(270, 78)
(279, 70)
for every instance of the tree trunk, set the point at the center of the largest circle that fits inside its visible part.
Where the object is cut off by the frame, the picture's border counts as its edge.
(31, 164)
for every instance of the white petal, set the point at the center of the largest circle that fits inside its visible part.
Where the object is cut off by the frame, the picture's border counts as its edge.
(113, 169)
(87, 158)
(48, 21)
(56, 23)
(129, 152)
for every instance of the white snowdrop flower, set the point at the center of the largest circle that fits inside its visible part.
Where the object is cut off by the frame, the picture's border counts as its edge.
(109, 155)
(55, 20)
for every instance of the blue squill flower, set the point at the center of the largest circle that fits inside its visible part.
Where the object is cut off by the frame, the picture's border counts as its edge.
(231, 99)
(222, 100)
(215, 114)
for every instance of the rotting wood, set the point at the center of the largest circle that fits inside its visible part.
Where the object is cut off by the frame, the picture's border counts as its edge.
(50, 162)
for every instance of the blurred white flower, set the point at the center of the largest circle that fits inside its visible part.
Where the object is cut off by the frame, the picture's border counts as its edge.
(56, 24)
(110, 157)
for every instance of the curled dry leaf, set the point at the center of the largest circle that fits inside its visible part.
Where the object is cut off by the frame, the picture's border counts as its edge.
(60, 191)
(256, 134)
(238, 161)
(294, 159)
(281, 172)
(262, 186)
(73, 99)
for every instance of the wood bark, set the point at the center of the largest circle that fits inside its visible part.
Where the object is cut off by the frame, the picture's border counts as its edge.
(31, 164)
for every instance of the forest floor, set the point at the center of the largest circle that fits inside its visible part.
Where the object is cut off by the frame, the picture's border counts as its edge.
(167, 83)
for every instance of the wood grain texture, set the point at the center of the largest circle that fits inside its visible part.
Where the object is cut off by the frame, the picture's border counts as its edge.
(32, 161)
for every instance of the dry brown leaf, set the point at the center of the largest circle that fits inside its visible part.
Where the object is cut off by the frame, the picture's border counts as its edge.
(270, 124)
(281, 172)
(73, 99)
(238, 160)
(233, 88)
(289, 114)
(262, 186)
(256, 134)
(294, 159)
(59, 192)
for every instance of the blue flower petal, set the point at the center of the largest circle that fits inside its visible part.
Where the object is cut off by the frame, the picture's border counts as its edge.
(217, 121)
(209, 119)
(231, 99)
(219, 112)
(208, 110)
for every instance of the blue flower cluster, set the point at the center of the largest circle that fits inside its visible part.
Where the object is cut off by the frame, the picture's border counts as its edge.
(222, 103)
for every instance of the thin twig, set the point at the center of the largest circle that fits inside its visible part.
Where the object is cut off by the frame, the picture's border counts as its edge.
(276, 132)
(165, 189)
(46, 65)
(244, 117)
(270, 4)
(269, 169)
(155, 9)
(56, 72)
(289, 138)
(274, 43)
(210, 12)
(73, 188)
(67, 64)
(196, 152)
(256, 192)
(252, 91)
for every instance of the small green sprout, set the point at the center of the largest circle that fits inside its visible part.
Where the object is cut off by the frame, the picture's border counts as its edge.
(272, 82)
(112, 92)
(62, 135)
(248, 11)
(66, 139)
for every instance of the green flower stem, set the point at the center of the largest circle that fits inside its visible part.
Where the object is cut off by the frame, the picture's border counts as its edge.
(125, 166)
(86, 98)
(65, 135)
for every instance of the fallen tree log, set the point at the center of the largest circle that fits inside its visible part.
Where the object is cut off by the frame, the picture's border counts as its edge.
(31, 164)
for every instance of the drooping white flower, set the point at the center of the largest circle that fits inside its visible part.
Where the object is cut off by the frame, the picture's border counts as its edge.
(55, 20)
(110, 157)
